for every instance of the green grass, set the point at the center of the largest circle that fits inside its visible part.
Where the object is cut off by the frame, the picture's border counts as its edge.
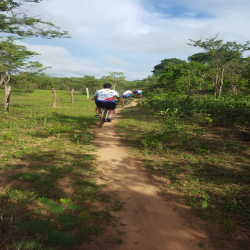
(47, 165)
(205, 168)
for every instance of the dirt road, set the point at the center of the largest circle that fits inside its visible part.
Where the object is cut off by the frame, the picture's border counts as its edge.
(152, 223)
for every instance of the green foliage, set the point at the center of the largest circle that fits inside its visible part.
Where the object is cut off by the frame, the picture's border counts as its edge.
(39, 226)
(200, 57)
(25, 82)
(225, 111)
(158, 69)
(28, 176)
(219, 69)
(60, 239)
(26, 244)
(187, 78)
(15, 59)
(53, 206)
(219, 55)
(15, 20)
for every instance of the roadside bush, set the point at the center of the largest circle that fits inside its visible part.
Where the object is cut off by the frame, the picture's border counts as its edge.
(203, 110)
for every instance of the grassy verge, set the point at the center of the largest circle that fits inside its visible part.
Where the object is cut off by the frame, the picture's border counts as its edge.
(205, 168)
(49, 198)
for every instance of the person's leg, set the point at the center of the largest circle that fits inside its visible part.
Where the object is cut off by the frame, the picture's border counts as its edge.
(111, 108)
(97, 110)
(111, 112)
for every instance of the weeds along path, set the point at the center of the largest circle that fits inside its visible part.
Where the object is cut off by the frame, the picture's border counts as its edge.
(151, 223)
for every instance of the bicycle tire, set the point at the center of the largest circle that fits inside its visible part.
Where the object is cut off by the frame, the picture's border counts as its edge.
(125, 101)
(102, 119)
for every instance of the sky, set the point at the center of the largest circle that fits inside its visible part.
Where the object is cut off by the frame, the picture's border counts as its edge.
(132, 36)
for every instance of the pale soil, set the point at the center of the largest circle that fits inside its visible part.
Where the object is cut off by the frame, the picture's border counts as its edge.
(152, 223)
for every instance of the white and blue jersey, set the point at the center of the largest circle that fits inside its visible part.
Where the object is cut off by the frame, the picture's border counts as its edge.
(127, 93)
(106, 95)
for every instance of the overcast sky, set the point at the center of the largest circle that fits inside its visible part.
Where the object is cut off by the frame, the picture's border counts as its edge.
(132, 36)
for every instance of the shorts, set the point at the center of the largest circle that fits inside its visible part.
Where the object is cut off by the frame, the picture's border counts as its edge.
(126, 96)
(107, 105)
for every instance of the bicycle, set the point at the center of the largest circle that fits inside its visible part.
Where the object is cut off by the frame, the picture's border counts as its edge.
(126, 100)
(103, 117)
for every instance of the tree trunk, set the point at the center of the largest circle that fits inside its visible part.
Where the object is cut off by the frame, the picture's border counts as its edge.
(7, 98)
(54, 98)
(221, 82)
(190, 89)
(72, 95)
(216, 84)
(87, 91)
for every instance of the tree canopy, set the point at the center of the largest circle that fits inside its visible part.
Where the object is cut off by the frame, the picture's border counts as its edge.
(14, 60)
(14, 19)
(158, 69)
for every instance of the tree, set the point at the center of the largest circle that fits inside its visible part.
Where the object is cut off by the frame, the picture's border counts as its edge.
(115, 78)
(200, 57)
(187, 77)
(236, 74)
(14, 60)
(149, 84)
(91, 83)
(14, 19)
(220, 54)
(158, 69)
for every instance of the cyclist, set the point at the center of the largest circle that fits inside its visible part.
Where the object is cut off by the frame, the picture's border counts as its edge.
(105, 98)
(127, 94)
(139, 93)
(134, 91)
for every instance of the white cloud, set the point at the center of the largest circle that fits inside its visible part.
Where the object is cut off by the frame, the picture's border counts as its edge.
(113, 61)
(64, 64)
(131, 35)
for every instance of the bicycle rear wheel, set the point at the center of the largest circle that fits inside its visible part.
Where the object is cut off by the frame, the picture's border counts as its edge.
(102, 118)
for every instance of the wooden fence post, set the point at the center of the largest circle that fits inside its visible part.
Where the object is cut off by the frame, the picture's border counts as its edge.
(7, 90)
(72, 95)
(54, 98)
(87, 91)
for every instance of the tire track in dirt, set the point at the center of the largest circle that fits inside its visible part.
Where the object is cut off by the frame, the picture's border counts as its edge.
(151, 222)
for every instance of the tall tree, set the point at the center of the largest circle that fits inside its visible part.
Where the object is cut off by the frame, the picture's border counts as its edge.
(158, 69)
(200, 57)
(187, 78)
(14, 19)
(91, 83)
(14, 60)
(115, 78)
(236, 74)
(220, 54)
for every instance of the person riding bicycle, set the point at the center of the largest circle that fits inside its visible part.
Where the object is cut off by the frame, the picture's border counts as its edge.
(139, 93)
(105, 98)
(134, 91)
(127, 94)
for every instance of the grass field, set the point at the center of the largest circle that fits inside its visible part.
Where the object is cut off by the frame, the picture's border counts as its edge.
(48, 192)
(205, 168)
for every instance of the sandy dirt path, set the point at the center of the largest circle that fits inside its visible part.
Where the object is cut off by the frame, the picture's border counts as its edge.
(152, 223)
